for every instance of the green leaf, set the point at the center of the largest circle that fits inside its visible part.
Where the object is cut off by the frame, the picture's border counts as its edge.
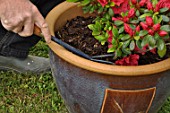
(120, 45)
(155, 19)
(72, 0)
(126, 51)
(163, 10)
(100, 38)
(125, 37)
(137, 13)
(154, 2)
(111, 13)
(112, 4)
(138, 44)
(111, 50)
(95, 33)
(145, 40)
(143, 33)
(126, 43)
(85, 2)
(98, 25)
(145, 15)
(152, 41)
(118, 22)
(165, 18)
(160, 44)
(134, 21)
(118, 52)
(156, 36)
(132, 45)
(115, 32)
(165, 28)
(100, 10)
(91, 27)
(136, 37)
(162, 52)
(121, 30)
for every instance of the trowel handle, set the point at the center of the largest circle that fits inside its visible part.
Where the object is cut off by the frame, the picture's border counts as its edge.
(37, 31)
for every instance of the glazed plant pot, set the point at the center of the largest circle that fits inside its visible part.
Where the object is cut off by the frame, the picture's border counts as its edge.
(91, 87)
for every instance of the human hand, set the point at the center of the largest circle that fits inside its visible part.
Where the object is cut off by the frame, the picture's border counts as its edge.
(20, 16)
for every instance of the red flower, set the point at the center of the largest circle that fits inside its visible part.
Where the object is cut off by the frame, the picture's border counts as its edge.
(149, 21)
(143, 2)
(156, 27)
(118, 2)
(122, 8)
(128, 29)
(151, 32)
(103, 2)
(131, 60)
(162, 33)
(144, 25)
(162, 4)
(134, 1)
(137, 28)
(110, 38)
(131, 12)
(149, 5)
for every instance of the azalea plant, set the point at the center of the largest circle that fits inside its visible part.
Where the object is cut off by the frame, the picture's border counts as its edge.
(130, 28)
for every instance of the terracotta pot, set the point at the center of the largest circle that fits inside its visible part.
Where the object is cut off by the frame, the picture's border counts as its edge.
(91, 87)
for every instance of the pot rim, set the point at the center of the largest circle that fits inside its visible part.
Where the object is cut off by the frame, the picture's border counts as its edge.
(141, 70)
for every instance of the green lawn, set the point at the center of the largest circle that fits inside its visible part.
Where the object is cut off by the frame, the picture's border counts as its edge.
(31, 93)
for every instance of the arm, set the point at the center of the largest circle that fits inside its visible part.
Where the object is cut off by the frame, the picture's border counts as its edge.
(20, 16)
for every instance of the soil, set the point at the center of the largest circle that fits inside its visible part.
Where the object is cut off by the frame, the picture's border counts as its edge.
(77, 34)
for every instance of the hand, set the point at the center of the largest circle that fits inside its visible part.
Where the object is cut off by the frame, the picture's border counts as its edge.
(20, 16)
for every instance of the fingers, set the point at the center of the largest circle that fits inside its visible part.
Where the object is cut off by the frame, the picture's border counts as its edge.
(27, 28)
(42, 24)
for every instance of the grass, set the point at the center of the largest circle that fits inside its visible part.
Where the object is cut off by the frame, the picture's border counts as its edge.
(31, 93)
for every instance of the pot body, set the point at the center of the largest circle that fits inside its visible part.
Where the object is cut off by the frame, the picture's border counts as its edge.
(90, 87)
(88, 92)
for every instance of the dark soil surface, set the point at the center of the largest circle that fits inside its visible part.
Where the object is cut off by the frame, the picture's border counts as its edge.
(77, 34)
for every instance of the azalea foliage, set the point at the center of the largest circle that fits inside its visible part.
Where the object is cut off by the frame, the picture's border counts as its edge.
(130, 28)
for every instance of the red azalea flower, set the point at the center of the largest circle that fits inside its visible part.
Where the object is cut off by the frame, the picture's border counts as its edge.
(141, 51)
(162, 4)
(149, 5)
(110, 39)
(131, 13)
(118, 2)
(122, 8)
(156, 27)
(149, 21)
(134, 2)
(151, 32)
(143, 2)
(103, 2)
(128, 29)
(162, 33)
(144, 25)
(137, 28)
(131, 60)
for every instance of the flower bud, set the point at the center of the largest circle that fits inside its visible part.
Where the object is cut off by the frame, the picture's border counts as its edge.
(134, 1)
(142, 2)
(103, 2)
(162, 33)
(138, 28)
(144, 26)
(128, 29)
(149, 21)
(156, 27)
(151, 32)
(149, 6)
(131, 13)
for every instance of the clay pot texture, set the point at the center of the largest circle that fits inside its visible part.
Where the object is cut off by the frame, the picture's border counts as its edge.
(91, 87)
